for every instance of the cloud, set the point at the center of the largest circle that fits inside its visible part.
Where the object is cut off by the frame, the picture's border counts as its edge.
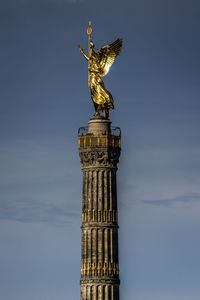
(51, 1)
(38, 183)
(34, 211)
(14, 3)
(184, 200)
(65, 1)
(158, 174)
(26, 161)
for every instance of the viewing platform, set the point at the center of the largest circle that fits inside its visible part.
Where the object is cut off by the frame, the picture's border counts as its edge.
(99, 133)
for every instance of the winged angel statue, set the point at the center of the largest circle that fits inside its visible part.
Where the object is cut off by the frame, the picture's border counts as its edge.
(99, 64)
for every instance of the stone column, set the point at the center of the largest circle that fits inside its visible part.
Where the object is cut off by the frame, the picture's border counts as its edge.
(99, 151)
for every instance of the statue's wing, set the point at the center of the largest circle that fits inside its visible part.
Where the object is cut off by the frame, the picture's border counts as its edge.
(107, 56)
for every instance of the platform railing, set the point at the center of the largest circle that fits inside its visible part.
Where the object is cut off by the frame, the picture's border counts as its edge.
(116, 131)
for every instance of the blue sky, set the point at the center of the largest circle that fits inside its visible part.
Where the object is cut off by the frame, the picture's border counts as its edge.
(44, 99)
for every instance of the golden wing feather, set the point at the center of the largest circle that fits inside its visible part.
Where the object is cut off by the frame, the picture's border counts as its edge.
(107, 56)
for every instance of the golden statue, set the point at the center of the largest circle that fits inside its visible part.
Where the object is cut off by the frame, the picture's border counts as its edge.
(99, 64)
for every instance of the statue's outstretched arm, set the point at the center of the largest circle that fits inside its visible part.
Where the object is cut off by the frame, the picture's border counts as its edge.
(81, 49)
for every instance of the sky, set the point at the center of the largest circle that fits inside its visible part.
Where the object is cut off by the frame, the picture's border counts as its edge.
(44, 99)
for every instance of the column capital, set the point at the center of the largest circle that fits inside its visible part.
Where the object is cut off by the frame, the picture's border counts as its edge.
(99, 157)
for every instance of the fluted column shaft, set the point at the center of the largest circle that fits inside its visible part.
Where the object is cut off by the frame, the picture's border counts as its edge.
(99, 254)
